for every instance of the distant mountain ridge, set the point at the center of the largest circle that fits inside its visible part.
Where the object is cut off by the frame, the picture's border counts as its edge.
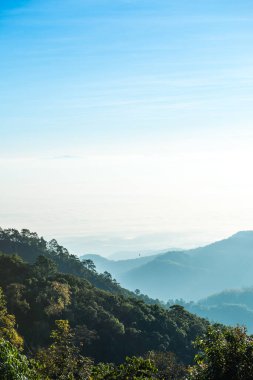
(231, 307)
(190, 274)
(117, 266)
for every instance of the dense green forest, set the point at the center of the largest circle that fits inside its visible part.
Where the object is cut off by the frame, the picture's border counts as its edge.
(60, 319)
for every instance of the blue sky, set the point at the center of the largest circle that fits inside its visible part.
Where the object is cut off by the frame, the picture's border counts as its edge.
(102, 97)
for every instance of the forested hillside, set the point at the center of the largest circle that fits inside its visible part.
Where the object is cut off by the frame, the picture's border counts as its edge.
(109, 324)
(55, 324)
(30, 246)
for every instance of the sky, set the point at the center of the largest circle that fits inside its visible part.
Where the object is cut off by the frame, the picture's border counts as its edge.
(126, 125)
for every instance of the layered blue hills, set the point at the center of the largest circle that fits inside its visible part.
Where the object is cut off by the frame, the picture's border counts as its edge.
(190, 274)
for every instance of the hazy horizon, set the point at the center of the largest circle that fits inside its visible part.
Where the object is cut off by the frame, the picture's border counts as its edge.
(126, 125)
(118, 247)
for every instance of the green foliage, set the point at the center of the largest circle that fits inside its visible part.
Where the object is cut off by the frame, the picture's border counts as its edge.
(108, 325)
(44, 267)
(133, 369)
(50, 255)
(62, 359)
(167, 365)
(15, 366)
(55, 297)
(107, 322)
(12, 269)
(7, 324)
(225, 353)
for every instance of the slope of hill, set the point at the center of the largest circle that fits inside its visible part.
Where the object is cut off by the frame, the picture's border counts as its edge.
(29, 246)
(190, 274)
(108, 326)
(230, 307)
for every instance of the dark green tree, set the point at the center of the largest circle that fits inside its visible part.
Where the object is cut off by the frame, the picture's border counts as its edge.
(89, 264)
(226, 353)
(44, 267)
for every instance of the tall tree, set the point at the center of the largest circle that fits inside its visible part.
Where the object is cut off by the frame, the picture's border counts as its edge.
(62, 359)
